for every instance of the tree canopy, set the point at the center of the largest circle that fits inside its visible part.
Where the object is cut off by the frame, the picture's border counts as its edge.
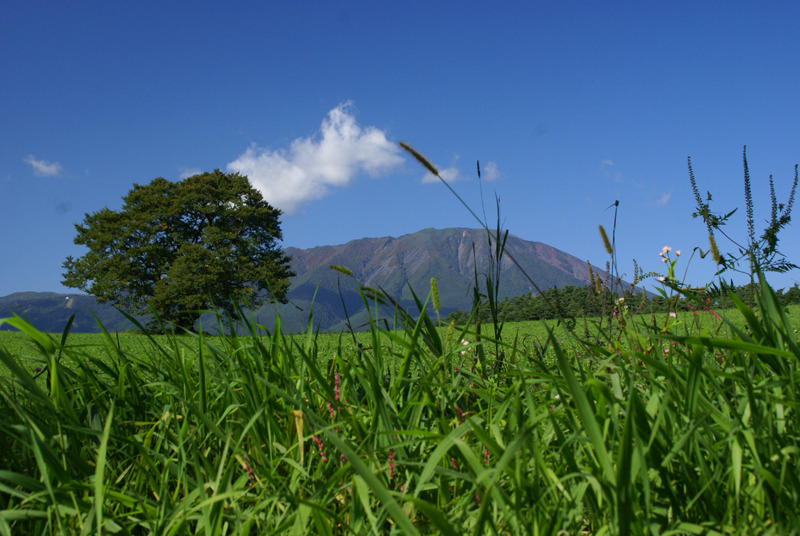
(182, 247)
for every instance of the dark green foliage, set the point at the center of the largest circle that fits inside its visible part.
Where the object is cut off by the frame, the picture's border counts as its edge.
(181, 247)
(578, 302)
(574, 301)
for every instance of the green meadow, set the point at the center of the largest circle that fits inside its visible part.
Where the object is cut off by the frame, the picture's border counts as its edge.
(639, 424)
(528, 336)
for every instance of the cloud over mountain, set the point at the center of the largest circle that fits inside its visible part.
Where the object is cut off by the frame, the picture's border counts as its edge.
(310, 167)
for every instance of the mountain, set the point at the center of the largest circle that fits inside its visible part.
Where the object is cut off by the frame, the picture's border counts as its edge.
(395, 264)
(50, 311)
(392, 264)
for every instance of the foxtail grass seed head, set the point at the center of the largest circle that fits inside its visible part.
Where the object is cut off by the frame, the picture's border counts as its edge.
(451, 329)
(435, 295)
(598, 284)
(421, 159)
(606, 242)
(341, 269)
(714, 250)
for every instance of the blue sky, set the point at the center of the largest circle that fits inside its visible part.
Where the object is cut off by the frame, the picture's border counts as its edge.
(568, 106)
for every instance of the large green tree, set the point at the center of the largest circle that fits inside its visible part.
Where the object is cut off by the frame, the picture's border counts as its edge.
(210, 240)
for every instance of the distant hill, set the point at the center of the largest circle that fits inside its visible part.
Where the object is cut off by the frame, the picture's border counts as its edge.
(450, 255)
(50, 311)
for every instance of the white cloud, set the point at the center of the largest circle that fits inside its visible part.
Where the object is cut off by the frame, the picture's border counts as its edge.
(664, 199)
(42, 167)
(311, 166)
(607, 171)
(450, 174)
(489, 172)
(190, 172)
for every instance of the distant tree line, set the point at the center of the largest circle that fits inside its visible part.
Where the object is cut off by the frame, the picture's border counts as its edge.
(576, 302)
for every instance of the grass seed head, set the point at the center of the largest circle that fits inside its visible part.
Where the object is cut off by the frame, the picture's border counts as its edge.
(606, 242)
(421, 159)
(714, 250)
(341, 269)
(435, 295)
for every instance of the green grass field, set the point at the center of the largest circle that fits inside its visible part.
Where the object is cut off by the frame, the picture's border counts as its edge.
(641, 425)
(528, 334)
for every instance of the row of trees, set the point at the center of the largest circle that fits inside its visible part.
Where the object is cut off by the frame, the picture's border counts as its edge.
(575, 302)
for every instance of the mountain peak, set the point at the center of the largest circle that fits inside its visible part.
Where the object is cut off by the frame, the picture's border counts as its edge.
(394, 264)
